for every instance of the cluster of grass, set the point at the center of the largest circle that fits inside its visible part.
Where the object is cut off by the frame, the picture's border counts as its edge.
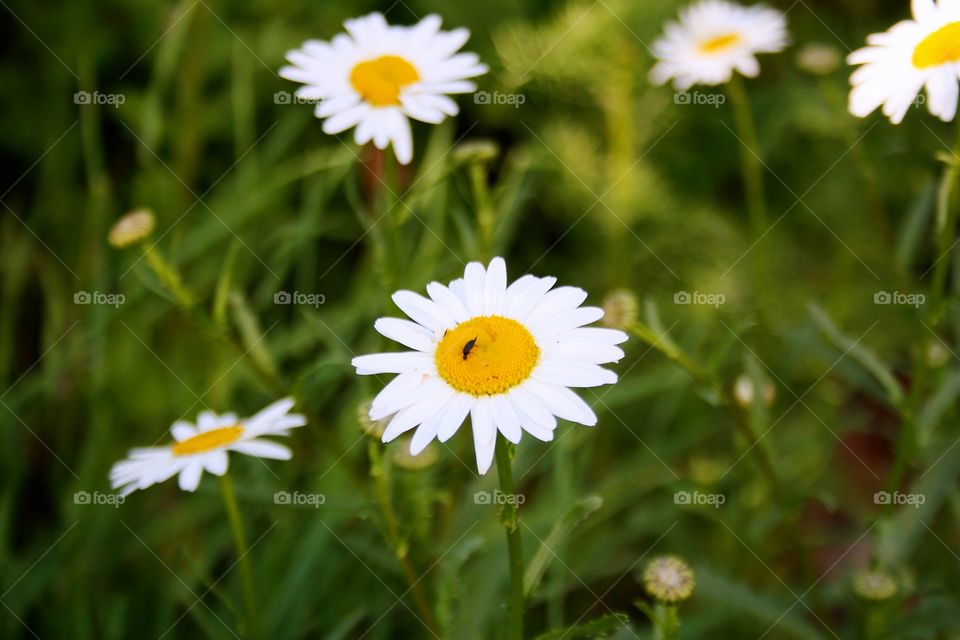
(597, 178)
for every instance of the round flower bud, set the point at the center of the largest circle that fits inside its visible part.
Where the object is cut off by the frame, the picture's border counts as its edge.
(481, 151)
(818, 58)
(132, 228)
(668, 579)
(426, 458)
(874, 585)
(620, 309)
(370, 427)
(743, 392)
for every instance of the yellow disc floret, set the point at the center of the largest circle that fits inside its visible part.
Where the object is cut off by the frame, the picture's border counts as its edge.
(940, 47)
(486, 355)
(719, 43)
(208, 440)
(380, 80)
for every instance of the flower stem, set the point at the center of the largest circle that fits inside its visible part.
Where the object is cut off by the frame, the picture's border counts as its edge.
(510, 518)
(400, 546)
(749, 156)
(752, 170)
(242, 551)
(666, 622)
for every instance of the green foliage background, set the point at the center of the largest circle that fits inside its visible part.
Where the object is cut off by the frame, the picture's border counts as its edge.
(599, 179)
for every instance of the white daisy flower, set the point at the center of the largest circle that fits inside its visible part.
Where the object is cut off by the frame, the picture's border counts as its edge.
(923, 53)
(504, 355)
(205, 446)
(714, 38)
(376, 76)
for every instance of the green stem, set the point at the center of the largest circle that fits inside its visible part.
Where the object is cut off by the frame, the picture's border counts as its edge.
(749, 156)
(400, 547)
(242, 551)
(666, 621)
(946, 220)
(510, 518)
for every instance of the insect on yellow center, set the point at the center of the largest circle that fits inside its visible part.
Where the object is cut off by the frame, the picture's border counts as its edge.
(719, 43)
(208, 440)
(380, 80)
(486, 355)
(940, 47)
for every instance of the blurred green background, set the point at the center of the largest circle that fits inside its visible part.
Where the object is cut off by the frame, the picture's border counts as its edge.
(598, 178)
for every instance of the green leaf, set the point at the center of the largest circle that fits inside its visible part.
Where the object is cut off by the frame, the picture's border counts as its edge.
(860, 354)
(561, 531)
(594, 629)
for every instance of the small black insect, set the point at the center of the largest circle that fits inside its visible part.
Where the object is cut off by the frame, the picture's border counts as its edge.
(467, 348)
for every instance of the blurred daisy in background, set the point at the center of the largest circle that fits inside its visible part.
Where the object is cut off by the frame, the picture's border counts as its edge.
(376, 76)
(923, 53)
(506, 356)
(714, 38)
(204, 447)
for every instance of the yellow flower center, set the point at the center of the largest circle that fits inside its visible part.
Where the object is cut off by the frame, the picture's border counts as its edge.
(719, 43)
(380, 80)
(941, 46)
(208, 440)
(486, 355)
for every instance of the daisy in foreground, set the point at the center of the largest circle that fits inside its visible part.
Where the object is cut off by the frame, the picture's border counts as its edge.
(713, 39)
(376, 76)
(504, 355)
(204, 446)
(910, 56)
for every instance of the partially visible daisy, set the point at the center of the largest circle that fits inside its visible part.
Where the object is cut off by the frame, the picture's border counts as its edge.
(204, 446)
(923, 53)
(714, 38)
(376, 76)
(504, 355)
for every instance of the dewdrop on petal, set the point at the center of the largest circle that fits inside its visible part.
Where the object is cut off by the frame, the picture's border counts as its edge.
(620, 309)
(132, 228)
(874, 585)
(669, 579)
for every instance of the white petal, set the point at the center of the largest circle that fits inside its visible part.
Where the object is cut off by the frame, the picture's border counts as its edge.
(453, 417)
(484, 434)
(423, 311)
(505, 418)
(376, 363)
(409, 334)
(261, 448)
(216, 462)
(190, 476)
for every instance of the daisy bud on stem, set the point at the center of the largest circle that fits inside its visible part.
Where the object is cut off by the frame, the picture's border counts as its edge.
(669, 580)
(877, 588)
